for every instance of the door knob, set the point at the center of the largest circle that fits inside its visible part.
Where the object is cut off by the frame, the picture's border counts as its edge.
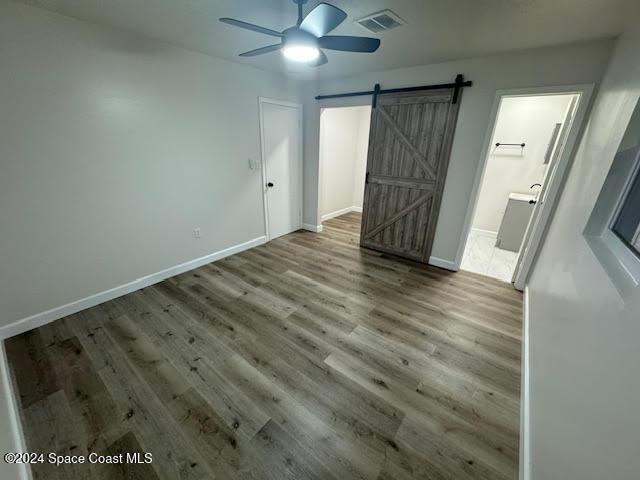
(533, 202)
(269, 184)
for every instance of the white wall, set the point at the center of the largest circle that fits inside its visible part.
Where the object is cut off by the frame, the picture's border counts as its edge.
(575, 64)
(113, 148)
(344, 136)
(584, 337)
(8, 425)
(362, 150)
(513, 169)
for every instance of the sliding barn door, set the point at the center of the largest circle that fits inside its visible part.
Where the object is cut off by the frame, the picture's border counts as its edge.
(409, 147)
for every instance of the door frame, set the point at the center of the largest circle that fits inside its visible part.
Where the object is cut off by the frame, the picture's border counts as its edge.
(554, 189)
(265, 201)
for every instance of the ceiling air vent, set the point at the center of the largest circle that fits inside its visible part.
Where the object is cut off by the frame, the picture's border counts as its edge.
(380, 21)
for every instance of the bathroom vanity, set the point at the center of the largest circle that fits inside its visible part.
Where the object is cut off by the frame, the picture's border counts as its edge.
(515, 220)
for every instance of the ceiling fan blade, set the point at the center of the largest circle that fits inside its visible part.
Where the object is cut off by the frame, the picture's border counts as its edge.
(251, 26)
(322, 19)
(349, 44)
(322, 59)
(261, 51)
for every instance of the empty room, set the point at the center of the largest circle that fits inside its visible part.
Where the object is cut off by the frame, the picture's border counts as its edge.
(292, 239)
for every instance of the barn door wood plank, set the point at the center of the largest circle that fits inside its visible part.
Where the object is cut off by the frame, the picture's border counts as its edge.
(407, 143)
(409, 147)
(408, 182)
(393, 219)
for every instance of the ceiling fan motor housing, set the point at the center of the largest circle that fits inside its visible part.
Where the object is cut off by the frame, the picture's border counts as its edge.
(297, 36)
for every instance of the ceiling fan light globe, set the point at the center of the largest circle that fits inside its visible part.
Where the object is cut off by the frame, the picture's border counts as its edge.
(301, 53)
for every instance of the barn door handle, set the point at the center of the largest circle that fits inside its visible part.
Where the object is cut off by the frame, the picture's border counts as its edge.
(269, 184)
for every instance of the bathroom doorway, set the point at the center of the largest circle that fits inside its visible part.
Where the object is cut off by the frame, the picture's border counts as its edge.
(528, 150)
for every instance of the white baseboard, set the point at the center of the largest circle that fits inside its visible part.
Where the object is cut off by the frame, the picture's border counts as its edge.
(446, 264)
(15, 425)
(39, 319)
(337, 213)
(312, 228)
(525, 396)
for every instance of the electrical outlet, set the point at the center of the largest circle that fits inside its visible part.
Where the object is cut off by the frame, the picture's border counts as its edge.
(196, 232)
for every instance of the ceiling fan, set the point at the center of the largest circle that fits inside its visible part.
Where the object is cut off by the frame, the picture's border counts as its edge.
(303, 41)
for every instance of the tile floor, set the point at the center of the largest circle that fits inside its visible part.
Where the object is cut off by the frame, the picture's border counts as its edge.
(482, 256)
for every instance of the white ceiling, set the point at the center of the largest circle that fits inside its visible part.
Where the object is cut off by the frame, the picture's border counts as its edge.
(436, 30)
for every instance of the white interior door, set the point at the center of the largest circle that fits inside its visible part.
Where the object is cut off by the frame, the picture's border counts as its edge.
(281, 129)
(541, 211)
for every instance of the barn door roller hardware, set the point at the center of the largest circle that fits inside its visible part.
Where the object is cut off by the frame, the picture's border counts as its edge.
(457, 85)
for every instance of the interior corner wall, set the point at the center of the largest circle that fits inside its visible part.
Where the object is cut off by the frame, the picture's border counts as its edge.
(343, 159)
(530, 120)
(561, 65)
(584, 355)
(113, 149)
(339, 128)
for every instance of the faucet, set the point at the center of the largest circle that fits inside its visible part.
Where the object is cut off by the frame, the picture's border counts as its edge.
(533, 202)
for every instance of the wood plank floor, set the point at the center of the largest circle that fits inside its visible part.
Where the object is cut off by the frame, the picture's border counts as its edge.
(307, 357)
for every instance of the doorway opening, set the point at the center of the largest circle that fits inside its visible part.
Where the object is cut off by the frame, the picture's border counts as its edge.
(530, 145)
(344, 141)
(409, 145)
